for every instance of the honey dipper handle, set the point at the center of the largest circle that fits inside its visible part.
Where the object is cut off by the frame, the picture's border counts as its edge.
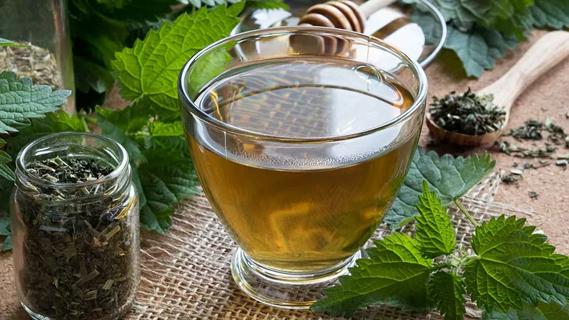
(547, 52)
(371, 6)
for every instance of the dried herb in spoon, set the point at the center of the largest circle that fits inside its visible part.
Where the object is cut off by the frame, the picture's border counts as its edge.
(468, 113)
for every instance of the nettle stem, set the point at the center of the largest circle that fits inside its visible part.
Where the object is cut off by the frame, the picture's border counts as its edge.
(465, 212)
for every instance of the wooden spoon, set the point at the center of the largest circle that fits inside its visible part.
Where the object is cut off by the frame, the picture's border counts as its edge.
(547, 52)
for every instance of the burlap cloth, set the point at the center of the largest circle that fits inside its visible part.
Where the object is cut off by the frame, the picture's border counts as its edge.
(185, 273)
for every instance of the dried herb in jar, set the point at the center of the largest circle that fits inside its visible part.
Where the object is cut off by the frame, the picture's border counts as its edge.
(468, 113)
(78, 252)
(27, 60)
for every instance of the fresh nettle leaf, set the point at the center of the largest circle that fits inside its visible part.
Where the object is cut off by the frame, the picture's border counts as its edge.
(5, 232)
(455, 12)
(266, 4)
(113, 131)
(449, 177)
(498, 14)
(162, 169)
(396, 273)
(480, 32)
(429, 25)
(149, 70)
(514, 273)
(550, 14)
(479, 48)
(166, 179)
(551, 311)
(5, 159)
(447, 294)
(435, 233)
(514, 265)
(53, 122)
(4, 226)
(21, 101)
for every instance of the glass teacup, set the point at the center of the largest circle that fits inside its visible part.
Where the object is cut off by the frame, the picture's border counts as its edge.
(301, 138)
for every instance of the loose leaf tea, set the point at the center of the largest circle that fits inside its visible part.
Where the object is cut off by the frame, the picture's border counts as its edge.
(79, 253)
(552, 135)
(513, 150)
(467, 113)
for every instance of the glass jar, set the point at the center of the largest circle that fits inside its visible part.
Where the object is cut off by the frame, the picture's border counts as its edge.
(45, 54)
(76, 244)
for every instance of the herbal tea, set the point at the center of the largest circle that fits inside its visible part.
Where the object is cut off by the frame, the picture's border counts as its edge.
(308, 209)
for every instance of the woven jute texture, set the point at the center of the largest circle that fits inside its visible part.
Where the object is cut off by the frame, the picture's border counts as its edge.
(185, 273)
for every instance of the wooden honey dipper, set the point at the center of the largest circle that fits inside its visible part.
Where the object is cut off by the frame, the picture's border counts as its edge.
(343, 14)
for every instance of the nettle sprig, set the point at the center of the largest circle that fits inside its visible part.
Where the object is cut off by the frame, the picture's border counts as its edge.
(510, 271)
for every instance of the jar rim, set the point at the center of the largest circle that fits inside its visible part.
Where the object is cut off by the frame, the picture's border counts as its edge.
(123, 161)
(189, 106)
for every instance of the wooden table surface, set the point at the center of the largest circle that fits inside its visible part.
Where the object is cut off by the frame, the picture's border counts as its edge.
(548, 97)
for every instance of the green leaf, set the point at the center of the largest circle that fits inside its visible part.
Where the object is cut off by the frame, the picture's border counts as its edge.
(478, 49)
(448, 177)
(94, 47)
(53, 122)
(499, 15)
(4, 226)
(156, 219)
(162, 129)
(435, 234)
(551, 311)
(166, 179)
(430, 27)
(93, 75)
(267, 4)
(395, 273)
(162, 169)
(110, 129)
(550, 14)
(21, 101)
(446, 291)
(454, 11)
(131, 120)
(5, 171)
(514, 266)
(150, 69)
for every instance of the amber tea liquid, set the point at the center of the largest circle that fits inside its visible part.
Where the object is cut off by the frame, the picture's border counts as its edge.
(316, 210)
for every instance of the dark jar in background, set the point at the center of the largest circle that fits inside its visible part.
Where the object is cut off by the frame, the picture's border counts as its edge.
(75, 224)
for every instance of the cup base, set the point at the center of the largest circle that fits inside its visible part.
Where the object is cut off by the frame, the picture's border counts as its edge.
(284, 290)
